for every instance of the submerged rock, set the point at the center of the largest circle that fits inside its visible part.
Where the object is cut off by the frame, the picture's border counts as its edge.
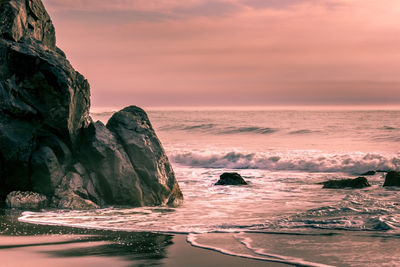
(26, 200)
(48, 142)
(359, 182)
(231, 178)
(392, 179)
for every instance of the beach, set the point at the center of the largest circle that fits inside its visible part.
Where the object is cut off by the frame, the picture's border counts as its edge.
(283, 215)
(220, 133)
(23, 244)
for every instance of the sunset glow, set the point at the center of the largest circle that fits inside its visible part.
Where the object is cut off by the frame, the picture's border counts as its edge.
(233, 52)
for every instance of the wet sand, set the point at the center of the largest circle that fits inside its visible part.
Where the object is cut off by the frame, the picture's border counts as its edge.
(23, 244)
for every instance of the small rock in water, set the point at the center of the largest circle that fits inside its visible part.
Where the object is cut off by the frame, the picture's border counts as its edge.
(359, 182)
(26, 200)
(231, 178)
(392, 179)
(369, 173)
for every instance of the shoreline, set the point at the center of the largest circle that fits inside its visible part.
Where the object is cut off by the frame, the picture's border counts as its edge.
(24, 244)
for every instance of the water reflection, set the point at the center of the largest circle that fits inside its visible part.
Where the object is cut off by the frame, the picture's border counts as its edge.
(135, 247)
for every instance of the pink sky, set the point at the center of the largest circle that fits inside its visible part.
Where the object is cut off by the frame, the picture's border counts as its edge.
(233, 52)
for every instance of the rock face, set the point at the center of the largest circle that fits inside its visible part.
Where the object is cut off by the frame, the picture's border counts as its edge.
(26, 200)
(359, 182)
(231, 178)
(392, 179)
(48, 142)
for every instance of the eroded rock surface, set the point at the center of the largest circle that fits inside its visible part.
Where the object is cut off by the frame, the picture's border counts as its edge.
(48, 142)
(26, 200)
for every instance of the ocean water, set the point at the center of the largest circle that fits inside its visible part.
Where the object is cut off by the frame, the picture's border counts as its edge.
(283, 215)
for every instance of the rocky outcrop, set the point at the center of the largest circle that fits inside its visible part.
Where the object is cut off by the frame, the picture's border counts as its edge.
(392, 179)
(21, 19)
(26, 200)
(368, 173)
(231, 178)
(126, 156)
(359, 182)
(48, 142)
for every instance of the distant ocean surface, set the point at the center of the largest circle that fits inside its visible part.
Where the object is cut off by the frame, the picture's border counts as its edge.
(283, 215)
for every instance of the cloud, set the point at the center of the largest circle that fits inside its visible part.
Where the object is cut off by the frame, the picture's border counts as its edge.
(208, 8)
(120, 11)
(274, 4)
(114, 17)
(125, 11)
(286, 51)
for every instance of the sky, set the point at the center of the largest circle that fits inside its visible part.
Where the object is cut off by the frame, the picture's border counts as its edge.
(233, 52)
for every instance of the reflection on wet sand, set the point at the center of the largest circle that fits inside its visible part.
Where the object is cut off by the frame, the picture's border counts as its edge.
(64, 242)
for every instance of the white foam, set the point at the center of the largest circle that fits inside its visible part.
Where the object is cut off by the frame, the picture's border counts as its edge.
(308, 161)
(252, 254)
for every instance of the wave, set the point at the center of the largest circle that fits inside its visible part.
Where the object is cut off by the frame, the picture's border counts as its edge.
(388, 128)
(238, 247)
(204, 126)
(218, 130)
(256, 130)
(303, 131)
(309, 162)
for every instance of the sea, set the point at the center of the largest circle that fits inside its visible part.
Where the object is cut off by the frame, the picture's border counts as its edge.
(283, 215)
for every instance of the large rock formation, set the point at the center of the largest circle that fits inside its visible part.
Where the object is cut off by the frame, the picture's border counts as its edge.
(48, 142)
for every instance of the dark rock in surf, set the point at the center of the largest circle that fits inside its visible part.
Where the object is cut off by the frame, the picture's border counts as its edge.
(392, 179)
(368, 173)
(359, 182)
(48, 142)
(231, 178)
(26, 200)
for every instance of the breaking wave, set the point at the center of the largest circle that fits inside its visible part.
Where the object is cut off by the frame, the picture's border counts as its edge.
(216, 129)
(302, 131)
(309, 162)
(256, 130)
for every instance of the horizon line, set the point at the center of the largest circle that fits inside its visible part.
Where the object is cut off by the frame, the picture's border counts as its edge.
(344, 107)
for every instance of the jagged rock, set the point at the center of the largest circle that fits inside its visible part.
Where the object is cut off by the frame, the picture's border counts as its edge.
(26, 19)
(72, 193)
(231, 178)
(359, 182)
(133, 130)
(40, 92)
(109, 164)
(392, 179)
(26, 200)
(48, 142)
